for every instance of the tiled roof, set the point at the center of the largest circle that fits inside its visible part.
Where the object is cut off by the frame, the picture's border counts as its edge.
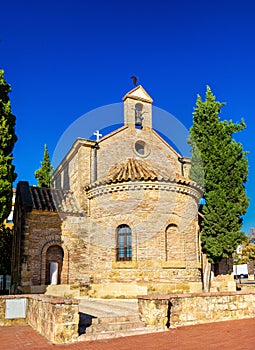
(48, 199)
(51, 199)
(133, 169)
(139, 170)
(42, 198)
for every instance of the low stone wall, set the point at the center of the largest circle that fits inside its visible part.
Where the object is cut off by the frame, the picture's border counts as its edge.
(4, 318)
(53, 317)
(174, 310)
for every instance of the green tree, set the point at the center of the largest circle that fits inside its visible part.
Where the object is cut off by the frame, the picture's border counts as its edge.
(6, 235)
(7, 141)
(248, 254)
(219, 164)
(44, 173)
(247, 249)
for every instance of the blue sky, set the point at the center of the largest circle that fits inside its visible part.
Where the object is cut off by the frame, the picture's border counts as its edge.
(66, 58)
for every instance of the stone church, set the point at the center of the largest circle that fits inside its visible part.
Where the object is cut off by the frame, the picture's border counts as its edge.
(121, 218)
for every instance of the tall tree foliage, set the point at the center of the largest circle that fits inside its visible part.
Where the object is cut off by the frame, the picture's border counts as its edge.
(7, 141)
(219, 164)
(6, 235)
(44, 173)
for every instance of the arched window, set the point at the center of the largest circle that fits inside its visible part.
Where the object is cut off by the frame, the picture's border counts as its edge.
(172, 242)
(124, 243)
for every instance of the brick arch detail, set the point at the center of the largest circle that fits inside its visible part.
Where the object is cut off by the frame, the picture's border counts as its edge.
(174, 242)
(173, 220)
(65, 268)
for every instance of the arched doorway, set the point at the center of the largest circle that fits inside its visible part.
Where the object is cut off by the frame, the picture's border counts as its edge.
(54, 262)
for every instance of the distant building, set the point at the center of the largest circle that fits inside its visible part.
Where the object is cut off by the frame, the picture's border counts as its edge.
(120, 220)
(9, 221)
(239, 249)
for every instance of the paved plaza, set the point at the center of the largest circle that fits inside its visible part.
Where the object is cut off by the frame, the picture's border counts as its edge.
(229, 335)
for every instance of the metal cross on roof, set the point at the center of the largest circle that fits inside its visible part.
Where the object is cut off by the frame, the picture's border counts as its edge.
(97, 134)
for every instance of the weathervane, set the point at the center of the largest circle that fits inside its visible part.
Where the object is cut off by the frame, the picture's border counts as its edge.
(135, 79)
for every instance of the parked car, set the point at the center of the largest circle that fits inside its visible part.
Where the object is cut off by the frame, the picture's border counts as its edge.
(241, 276)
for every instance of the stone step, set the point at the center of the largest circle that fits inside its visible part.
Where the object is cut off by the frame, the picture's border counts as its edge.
(104, 319)
(89, 323)
(116, 334)
(101, 308)
(113, 319)
(88, 320)
(114, 326)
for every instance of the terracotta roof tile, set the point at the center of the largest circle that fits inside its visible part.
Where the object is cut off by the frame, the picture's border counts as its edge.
(133, 169)
(139, 170)
(48, 199)
(51, 199)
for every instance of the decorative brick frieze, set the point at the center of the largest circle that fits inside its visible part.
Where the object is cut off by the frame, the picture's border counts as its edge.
(101, 188)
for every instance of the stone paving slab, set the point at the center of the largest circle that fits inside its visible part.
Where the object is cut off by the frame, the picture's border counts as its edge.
(108, 307)
(228, 335)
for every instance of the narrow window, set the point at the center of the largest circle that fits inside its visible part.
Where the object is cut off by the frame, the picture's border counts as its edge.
(138, 115)
(124, 243)
(172, 241)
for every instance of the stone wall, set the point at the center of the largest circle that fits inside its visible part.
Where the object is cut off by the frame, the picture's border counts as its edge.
(175, 310)
(54, 318)
(41, 229)
(114, 150)
(76, 169)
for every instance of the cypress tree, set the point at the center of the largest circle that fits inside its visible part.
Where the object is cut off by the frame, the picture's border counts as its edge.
(6, 236)
(44, 173)
(219, 164)
(7, 141)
